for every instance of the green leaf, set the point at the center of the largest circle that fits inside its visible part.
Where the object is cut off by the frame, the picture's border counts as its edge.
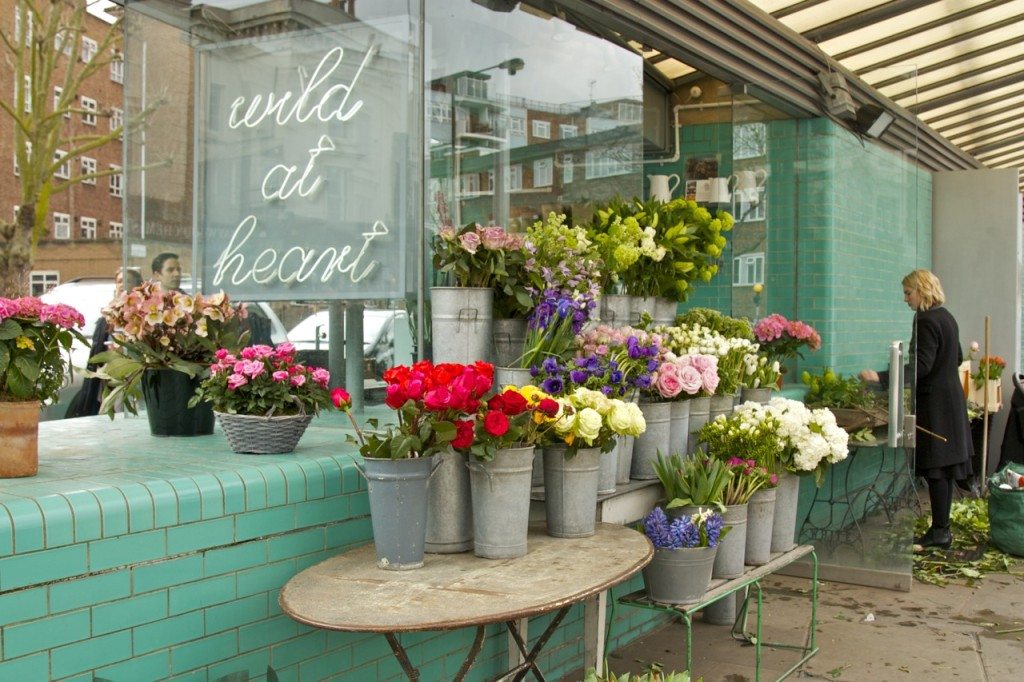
(9, 329)
(17, 384)
(5, 357)
(445, 432)
(27, 367)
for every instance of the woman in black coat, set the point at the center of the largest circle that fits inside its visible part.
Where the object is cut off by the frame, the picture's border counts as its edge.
(944, 446)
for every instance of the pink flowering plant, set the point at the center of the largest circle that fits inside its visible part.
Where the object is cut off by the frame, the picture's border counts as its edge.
(747, 478)
(35, 346)
(264, 381)
(783, 339)
(153, 328)
(685, 376)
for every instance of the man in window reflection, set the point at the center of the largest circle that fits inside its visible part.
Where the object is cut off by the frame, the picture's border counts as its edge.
(167, 271)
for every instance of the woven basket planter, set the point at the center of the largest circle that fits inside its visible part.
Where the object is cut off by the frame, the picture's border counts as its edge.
(258, 435)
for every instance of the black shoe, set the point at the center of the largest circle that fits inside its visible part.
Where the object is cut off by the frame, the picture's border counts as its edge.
(935, 537)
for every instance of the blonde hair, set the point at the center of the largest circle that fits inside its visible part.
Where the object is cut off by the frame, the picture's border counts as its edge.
(928, 286)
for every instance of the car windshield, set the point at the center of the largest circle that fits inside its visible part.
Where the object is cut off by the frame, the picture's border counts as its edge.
(304, 334)
(87, 296)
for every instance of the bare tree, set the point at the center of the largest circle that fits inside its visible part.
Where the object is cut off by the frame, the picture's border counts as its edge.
(44, 50)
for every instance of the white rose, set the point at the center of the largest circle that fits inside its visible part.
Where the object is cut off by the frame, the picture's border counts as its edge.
(626, 419)
(588, 425)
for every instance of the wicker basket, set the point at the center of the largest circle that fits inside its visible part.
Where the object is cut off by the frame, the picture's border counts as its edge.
(257, 435)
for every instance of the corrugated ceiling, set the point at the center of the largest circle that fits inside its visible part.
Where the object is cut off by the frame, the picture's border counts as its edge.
(957, 64)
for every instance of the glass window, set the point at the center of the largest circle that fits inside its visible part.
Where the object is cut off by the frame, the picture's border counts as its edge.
(748, 269)
(543, 172)
(517, 125)
(117, 70)
(116, 230)
(63, 42)
(88, 226)
(567, 169)
(88, 168)
(89, 115)
(566, 131)
(471, 182)
(117, 182)
(542, 129)
(117, 120)
(630, 112)
(515, 177)
(89, 47)
(43, 280)
(61, 226)
(63, 171)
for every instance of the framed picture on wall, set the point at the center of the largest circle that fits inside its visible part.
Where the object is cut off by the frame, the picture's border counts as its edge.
(690, 190)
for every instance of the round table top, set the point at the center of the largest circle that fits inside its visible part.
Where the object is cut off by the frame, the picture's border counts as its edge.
(349, 593)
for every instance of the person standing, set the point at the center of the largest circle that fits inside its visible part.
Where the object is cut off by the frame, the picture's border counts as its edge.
(943, 442)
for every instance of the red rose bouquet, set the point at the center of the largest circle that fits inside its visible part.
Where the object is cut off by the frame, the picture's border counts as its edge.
(436, 407)
(515, 417)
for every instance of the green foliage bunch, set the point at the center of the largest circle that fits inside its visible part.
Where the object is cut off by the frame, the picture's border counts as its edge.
(832, 389)
(699, 480)
(729, 327)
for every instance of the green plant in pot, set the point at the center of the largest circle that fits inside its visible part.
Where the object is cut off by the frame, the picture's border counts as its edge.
(698, 481)
(653, 674)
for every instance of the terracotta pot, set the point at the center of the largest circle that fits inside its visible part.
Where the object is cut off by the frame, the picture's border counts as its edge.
(19, 433)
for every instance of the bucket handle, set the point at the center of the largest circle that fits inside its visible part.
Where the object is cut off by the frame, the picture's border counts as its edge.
(468, 314)
(475, 466)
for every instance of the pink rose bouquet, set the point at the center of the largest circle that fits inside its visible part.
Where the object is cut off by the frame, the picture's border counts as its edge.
(478, 256)
(264, 381)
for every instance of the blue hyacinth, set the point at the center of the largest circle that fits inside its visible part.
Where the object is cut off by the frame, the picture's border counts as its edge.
(682, 532)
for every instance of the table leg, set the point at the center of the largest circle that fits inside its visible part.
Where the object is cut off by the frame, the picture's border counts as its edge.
(478, 644)
(403, 659)
(530, 658)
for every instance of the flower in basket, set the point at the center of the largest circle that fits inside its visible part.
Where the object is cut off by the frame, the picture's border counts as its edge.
(436, 407)
(264, 381)
(697, 480)
(478, 256)
(515, 417)
(747, 478)
(990, 368)
(703, 528)
(783, 339)
(590, 419)
(155, 328)
(811, 438)
(35, 348)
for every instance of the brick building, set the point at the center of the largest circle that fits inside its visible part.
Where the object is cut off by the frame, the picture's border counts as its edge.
(85, 223)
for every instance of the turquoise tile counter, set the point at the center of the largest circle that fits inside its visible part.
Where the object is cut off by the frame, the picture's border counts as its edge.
(132, 558)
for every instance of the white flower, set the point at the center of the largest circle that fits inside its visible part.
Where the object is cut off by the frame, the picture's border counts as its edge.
(588, 424)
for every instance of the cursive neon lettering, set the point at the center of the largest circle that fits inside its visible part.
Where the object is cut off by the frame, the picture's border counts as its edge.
(283, 191)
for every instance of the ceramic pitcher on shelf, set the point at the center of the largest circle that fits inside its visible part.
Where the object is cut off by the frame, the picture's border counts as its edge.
(746, 182)
(662, 186)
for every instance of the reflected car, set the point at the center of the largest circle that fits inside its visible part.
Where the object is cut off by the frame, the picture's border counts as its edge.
(89, 295)
(312, 335)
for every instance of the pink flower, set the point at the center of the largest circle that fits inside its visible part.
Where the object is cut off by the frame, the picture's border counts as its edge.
(221, 353)
(321, 376)
(492, 238)
(470, 241)
(667, 380)
(689, 379)
(280, 375)
(298, 379)
(770, 328)
(236, 381)
(702, 363)
(249, 353)
(253, 368)
(284, 350)
(709, 378)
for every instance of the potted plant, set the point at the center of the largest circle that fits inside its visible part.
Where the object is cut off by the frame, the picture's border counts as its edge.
(697, 481)
(783, 339)
(263, 398)
(586, 426)
(684, 554)
(986, 385)
(35, 354)
(435, 406)
(501, 468)
(163, 341)
(749, 442)
(848, 398)
(472, 261)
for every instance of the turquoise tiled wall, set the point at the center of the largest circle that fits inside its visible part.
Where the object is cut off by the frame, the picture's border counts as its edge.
(148, 559)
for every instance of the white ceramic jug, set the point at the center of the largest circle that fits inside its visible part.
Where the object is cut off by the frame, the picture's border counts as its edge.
(662, 187)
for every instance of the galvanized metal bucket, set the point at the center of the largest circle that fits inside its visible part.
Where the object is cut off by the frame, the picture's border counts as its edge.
(623, 458)
(784, 524)
(449, 509)
(615, 309)
(720, 404)
(515, 376)
(760, 518)
(461, 321)
(609, 471)
(731, 550)
(509, 337)
(679, 427)
(570, 491)
(501, 503)
(664, 311)
(641, 305)
(397, 489)
(679, 576)
(699, 412)
(756, 395)
(655, 439)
